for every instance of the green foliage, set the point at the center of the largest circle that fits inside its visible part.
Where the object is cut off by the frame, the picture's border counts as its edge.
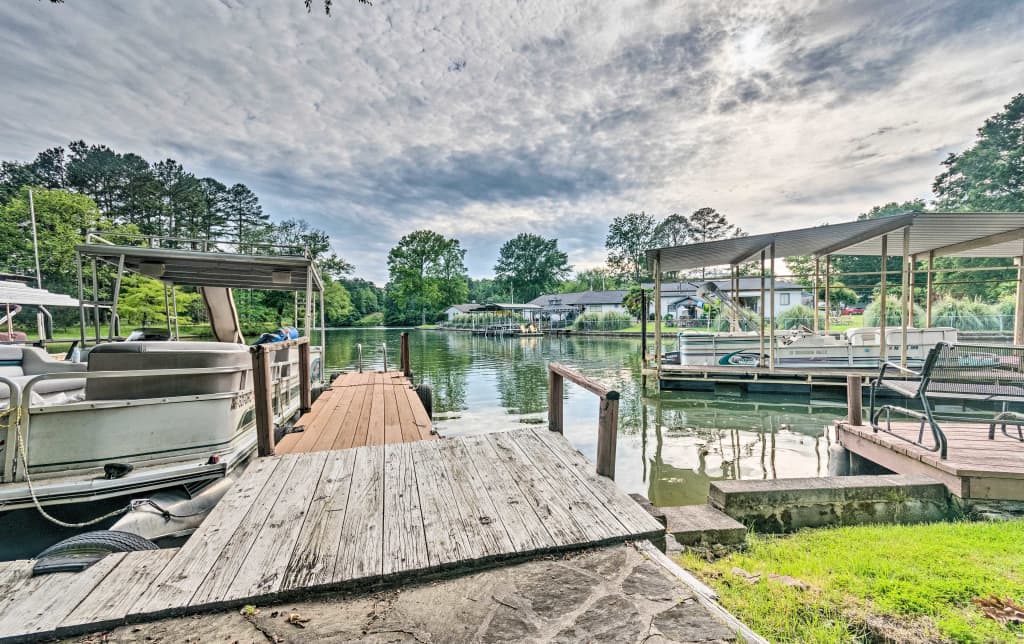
(142, 303)
(798, 316)
(748, 321)
(600, 278)
(707, 224)
(629, 239)
(482, 320)
(610, 321)
(373, 319)
(968, 315)
(919, 583)
(427, 275)
(529, 265)
(892, 313)
(633, 301)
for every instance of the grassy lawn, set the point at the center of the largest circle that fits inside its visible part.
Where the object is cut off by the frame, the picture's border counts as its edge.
(874, 583)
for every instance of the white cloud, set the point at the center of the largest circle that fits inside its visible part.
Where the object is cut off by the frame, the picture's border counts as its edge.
(485, 119)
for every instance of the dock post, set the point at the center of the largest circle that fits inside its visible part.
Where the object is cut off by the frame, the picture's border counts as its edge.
(555, 389)
(1018, 310)
(404, 356)
(854, 400)
(305, 378)
(607, 434)
(262, 389)
(883, 344)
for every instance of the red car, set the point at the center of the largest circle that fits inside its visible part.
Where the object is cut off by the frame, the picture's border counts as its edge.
(853, 310)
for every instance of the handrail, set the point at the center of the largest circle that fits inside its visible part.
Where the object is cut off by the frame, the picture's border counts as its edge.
(384, 348)
(13, 404)
(608, 417)
(359, 356)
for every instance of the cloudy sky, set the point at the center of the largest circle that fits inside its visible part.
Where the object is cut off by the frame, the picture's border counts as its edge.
(481, 119)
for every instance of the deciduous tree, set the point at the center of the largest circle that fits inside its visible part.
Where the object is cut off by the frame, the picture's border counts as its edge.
(529, 265)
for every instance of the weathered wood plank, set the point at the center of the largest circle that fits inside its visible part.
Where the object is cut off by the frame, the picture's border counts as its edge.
(110, 601)
(361, 553)
(178, 581)
(222, 573)
(13, 573)
(375, 435)
(537, 491)
(633, 518)
(407, 420)
(405, 542)
(480, 519)
(265, 565)
(524, 527)
(590, 514)
(315, 555)
(392, 421)
(420, 414)
(447, 540)
(347, 433)
(332, 427)
(327, 407)
(39, 604)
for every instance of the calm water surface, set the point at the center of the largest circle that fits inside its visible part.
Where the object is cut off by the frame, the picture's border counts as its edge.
(669, 448)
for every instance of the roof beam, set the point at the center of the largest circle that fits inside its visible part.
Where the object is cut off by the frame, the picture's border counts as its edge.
(745, 256)
(892, 223)
(981, 242)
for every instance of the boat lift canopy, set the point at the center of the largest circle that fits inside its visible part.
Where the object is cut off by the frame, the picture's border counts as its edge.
(264, 267)
(915, 236)
(16, 293)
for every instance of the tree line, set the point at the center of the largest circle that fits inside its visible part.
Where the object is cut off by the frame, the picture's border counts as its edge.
(82, 188)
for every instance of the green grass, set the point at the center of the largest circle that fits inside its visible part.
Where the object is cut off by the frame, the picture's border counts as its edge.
(907, 583)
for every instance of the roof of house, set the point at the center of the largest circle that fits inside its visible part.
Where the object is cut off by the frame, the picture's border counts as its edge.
(581, 298)
(465, 308)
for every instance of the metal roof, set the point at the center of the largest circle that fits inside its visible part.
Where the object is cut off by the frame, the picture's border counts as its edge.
(210, 268)
(18, 293)
(961, 234)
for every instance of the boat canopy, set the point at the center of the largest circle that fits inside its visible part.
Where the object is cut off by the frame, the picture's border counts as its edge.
(16, 293)
(944, 234)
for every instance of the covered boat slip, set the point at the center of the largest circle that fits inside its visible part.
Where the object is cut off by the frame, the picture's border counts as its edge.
(918, 238)
(344, 519)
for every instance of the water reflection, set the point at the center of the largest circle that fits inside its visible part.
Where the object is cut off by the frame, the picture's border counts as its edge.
(670, 447)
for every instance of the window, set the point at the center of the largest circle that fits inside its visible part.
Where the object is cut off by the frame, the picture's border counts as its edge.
(784, 299)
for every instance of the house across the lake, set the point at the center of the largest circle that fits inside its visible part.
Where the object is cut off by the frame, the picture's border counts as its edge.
(525, 310)
(568, 306)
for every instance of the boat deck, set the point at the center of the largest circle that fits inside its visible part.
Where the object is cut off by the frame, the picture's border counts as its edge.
(760, 379)
(370, 408)
(344, 519)
(976, 467)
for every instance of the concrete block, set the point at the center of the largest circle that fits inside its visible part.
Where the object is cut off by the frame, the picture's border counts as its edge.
(784, 505)
(702, 524)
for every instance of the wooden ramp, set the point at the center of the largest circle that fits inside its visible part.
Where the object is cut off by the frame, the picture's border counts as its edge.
(976, 467)
(371, 408)
(346, 519)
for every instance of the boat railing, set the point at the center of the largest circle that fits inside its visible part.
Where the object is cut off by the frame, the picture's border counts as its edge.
(23, 421)
(8, 422)
(203, 245)
(359, 356)
(608, 417)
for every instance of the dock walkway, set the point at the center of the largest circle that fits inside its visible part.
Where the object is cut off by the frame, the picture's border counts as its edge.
(976, 467)
(370, 408)
(347, 519)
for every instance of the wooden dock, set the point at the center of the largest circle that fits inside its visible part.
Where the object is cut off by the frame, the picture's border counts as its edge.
(371, 408)
(345, 519)
(976, 467)
(760, 379)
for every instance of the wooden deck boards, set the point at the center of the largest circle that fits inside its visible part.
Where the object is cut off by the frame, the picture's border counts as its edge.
(976, 467)
(344, 519)
(370, 408)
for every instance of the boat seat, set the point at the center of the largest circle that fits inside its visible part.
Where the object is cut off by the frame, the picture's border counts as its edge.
(20, 364)
(135, 356)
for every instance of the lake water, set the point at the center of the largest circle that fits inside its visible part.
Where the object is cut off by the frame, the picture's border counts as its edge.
(669, 448)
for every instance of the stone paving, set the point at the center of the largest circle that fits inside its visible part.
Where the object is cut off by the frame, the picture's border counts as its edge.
(612, 594)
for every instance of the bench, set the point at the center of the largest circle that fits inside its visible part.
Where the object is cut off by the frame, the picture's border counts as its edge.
(962, 373)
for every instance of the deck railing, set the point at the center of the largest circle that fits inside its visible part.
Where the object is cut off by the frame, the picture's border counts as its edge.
(608, 418)
(263, 388)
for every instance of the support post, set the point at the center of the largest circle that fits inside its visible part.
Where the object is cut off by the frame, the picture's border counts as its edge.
(771, 339)
(305, 381)
(643, 325)
(883, 347)
(928, 290)
(904, 296)
(96, 301)
(403, 349)
(854, 400)
(657, 316)
(1018, 311)
(607, 435)
(760, 311)
(81, 300)
(814, 300)
(828, 293)
(263, 392)
(555, 388)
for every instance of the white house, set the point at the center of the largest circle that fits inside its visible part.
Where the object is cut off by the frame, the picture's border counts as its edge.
(459, 309)
(680, 300)
(567, 306)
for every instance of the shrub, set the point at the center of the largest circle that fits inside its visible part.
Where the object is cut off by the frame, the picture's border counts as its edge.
(800, 315)
(892, 313)
(749, 321)
(373, 319)
(965, 315)
(611, 321)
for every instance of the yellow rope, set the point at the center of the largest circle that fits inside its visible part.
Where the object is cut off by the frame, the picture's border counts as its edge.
(31, 489)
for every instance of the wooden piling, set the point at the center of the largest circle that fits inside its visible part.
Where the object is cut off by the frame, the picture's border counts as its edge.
(305, 380)
(555, 390)
(608, 418)
(404, 360)
(263, 396)
(854, 400)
